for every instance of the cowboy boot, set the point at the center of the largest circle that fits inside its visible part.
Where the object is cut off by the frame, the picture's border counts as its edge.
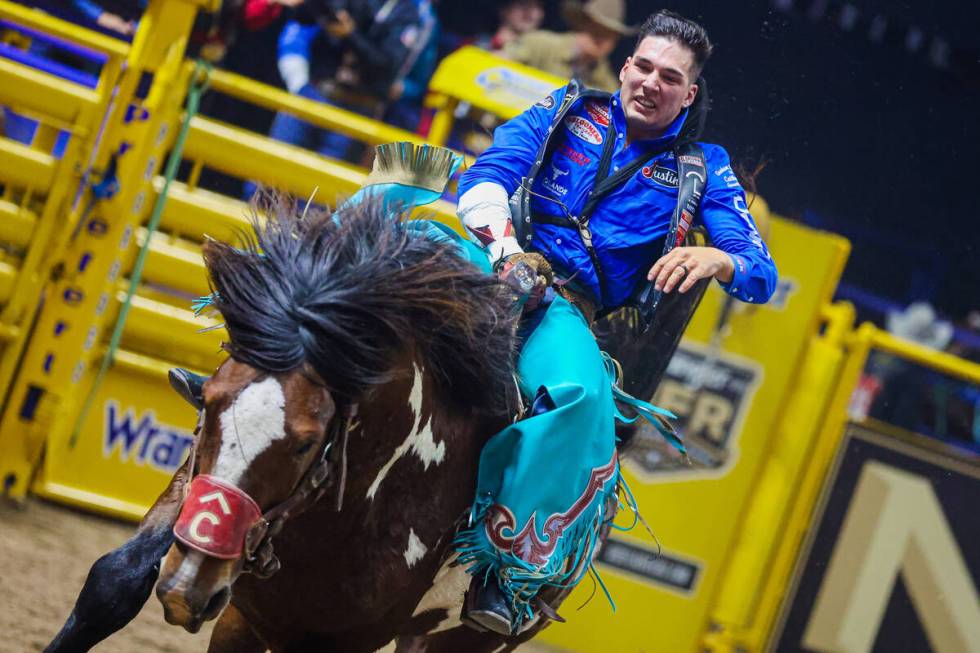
(188, 385)
(486, 607)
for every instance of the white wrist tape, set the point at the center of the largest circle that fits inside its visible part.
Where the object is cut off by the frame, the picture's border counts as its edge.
(485, 212)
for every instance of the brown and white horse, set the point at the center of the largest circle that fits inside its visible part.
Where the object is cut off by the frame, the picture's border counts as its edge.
(337, 448)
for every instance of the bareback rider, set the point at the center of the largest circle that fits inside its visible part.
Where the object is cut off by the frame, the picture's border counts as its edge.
(595, 182)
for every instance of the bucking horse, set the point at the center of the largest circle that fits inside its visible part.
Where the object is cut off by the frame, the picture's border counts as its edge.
(336, 448)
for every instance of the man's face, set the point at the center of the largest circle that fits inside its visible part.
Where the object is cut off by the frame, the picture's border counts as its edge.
(658, 82)
(522, 15)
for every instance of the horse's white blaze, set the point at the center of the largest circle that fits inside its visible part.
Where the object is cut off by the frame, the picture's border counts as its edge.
(446, 593)
(420, 439)
(255, 420)
(416, 549)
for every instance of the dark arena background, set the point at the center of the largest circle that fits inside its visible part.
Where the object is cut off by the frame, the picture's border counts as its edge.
(829, 503)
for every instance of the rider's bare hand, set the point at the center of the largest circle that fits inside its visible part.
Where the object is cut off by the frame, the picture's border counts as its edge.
(686, 265)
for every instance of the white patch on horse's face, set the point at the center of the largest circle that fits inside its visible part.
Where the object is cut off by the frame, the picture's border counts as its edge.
(447, 592)
(255, 420)
(416, 549)
(420, 439)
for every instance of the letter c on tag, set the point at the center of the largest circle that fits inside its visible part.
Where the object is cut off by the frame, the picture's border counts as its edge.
(195, 525)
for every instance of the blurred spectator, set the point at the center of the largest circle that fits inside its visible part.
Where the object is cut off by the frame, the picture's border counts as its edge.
(119, 18)
(472, 130)
(583, 53)
(516, 18)
(360, 55)
(214, 34)
(920, 324)
(902, 393)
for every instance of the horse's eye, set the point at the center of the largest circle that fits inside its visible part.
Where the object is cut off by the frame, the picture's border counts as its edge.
(304, 448)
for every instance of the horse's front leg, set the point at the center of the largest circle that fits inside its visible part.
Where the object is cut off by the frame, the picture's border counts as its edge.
(119, 583)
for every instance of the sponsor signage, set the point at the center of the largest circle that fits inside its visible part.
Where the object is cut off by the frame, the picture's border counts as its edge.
(510, 86)
(143, 440)
(709, 393)
(660, 568)
(894, 562)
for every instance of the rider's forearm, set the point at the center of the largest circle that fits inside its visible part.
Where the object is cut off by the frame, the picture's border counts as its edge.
(485, 213)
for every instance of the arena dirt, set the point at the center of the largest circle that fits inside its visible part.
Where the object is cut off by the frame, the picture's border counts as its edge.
(45, 553)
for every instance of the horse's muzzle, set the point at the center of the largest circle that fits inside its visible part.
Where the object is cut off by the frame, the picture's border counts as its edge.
(188, 598)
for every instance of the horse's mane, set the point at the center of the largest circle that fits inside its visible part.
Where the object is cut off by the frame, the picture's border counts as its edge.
(346, 294)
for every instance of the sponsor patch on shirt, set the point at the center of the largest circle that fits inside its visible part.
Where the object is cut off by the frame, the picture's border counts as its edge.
(546, 103)
(598, 112)
(553, 181)
(583, 129)
(661, 174)
(574, 156)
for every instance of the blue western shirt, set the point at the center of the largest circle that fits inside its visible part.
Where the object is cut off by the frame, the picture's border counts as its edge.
(628, 226)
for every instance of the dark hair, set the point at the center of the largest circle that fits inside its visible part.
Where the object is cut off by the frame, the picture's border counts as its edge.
(683, 30)
(347, 295)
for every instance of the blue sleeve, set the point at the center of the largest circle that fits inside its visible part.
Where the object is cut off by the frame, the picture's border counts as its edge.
(515, 144)
(732, 230)
(89, 9)
(297, 38)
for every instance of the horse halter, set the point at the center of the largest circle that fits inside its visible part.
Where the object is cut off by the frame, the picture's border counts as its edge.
(259, 557)
(257, 553)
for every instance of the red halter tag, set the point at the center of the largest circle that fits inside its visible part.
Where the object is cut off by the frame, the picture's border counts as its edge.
(215, 517)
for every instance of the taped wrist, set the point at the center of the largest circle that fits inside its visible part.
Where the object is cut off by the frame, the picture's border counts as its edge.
(485, 213)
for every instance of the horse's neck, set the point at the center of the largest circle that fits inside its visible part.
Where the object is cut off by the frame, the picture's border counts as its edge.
(408, 434)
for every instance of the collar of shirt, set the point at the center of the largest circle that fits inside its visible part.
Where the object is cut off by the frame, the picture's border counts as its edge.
(619, 127)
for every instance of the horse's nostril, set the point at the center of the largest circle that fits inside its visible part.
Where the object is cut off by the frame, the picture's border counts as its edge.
(216, 604)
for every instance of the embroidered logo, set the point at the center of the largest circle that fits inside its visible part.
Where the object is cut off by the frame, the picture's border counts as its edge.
(598, 112)
(661, 174)
(690, 160)
(583, 129)
(551, 182)
(546, 103)
(574, 156)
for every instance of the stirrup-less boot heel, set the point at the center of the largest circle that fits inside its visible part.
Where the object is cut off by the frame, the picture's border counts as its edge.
(188, 385)
(486, 607)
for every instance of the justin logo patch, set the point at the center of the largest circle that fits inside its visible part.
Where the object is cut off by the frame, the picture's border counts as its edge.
(662, 175)
(583, 129)
(598, 112)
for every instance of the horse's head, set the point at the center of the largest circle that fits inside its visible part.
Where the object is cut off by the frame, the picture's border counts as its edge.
(263, 451)
(324, 316)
